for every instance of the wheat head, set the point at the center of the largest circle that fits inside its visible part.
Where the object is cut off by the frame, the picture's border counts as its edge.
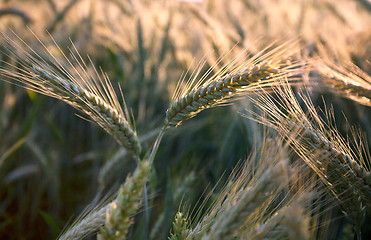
(70, 81)
(236, 78)
(322, 148)
(347, 81)
(120, 213)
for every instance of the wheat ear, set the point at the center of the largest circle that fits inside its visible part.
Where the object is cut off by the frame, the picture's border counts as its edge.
(215, 92)
(105, 115)
(338, 163)
(323, 150)
(346, 178)
(290, 222)
(114, 218)
(71, 83)
(242, 203)
(349, 81)
(88, 225)
(246, 204)
(180, 225)
(120, 213)
(235, 79)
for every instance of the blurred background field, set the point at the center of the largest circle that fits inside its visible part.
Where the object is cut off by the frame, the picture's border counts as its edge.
(53, 163)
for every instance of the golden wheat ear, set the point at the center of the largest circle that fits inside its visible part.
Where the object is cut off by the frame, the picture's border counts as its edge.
(69, 79)
(237, 78)
(347, 81)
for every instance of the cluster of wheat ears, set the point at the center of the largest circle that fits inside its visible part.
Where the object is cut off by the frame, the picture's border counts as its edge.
(302, 180)
(269, 196)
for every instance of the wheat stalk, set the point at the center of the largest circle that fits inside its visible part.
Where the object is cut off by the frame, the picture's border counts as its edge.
(87, 92)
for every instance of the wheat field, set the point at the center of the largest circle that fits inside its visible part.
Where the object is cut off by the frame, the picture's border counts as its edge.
(185, 119)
